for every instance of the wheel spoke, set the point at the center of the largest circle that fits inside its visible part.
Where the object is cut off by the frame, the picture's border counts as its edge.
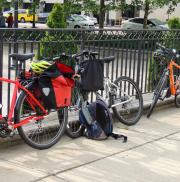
(127, 101)
(43, 133)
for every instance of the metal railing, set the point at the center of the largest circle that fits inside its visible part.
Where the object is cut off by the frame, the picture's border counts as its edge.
(133, 50)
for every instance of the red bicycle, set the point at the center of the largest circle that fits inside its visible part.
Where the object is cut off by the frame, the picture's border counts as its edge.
(38, 127)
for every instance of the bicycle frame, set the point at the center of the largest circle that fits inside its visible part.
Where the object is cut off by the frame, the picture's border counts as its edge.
(32, 101)
(171, 76)
(108, 85)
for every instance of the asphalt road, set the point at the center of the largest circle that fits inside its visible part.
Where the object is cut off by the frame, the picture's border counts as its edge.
(44, 26)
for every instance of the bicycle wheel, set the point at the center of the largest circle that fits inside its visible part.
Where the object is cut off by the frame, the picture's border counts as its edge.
(74, 128)
(157, 92)
(43, 133)
(127, 101)
(177, 100)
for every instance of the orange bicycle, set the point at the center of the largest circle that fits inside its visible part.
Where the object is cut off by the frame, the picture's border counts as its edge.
(166, 55)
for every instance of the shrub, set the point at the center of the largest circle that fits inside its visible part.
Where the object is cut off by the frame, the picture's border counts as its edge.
(57, 19)
(174, 23)
(55, 43)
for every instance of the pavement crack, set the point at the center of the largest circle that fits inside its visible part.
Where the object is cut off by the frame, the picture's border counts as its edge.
(51, 175)
(173, 139)
(105, 157)
(116, 153)
(142, 132)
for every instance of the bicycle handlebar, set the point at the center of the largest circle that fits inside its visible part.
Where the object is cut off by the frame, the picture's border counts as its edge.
(168, 51)
(161, 46)
(85, 53)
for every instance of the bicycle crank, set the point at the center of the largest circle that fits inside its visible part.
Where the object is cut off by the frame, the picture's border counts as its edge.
(4, 131)
(123, 100)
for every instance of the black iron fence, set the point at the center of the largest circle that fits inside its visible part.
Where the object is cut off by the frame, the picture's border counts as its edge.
(133, 50)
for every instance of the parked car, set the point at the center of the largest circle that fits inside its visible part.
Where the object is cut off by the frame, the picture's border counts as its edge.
(90, 18)
(77, 21)
(137, 24)
(42, 17)
(24, 15)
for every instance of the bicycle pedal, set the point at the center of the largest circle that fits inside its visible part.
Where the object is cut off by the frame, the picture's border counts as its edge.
(162, 98)
(74, 108)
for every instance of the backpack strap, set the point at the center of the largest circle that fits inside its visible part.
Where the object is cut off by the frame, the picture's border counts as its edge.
(116, 136)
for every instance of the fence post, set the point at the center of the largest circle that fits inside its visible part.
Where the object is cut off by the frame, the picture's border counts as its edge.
(139, 59)
(1, 67)
(82, 39)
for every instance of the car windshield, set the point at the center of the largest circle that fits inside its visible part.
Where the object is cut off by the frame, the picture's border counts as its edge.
(78, 18)
(156, 21)
(6, 12)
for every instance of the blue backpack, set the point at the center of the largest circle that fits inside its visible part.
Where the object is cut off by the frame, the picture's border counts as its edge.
(97, 120)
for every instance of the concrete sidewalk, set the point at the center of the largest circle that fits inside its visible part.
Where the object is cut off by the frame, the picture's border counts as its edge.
(151, 154)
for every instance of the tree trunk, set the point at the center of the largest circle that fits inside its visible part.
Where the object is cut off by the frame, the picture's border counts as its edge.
(146, 13)
(102, 14)
(34, 14)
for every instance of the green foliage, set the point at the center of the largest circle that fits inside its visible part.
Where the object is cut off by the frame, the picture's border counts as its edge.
(174, 23)
(155, 3)
(72, 7)
(155, 71)
(4, 4)
(57, 19)
(90, 6)
(53, 45)
(150, 5)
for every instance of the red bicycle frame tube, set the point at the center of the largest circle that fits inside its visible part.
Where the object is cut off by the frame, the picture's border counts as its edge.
(13, 102)
(171, 76)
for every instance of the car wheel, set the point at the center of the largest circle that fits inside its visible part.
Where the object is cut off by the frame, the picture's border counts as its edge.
(22, 20)
(77, 26)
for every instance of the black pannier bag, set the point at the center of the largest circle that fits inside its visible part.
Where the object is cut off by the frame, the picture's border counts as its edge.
(55, 88)
(92, 75)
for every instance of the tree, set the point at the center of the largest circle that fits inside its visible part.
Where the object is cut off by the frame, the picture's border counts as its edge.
(57, 19)
(150, 5)
(3, 4)
(73, 6)
(90, 6)
(111, 5)
(34, 6)
(102, 14)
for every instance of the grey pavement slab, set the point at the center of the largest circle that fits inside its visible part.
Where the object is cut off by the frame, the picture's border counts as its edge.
(152, 150)
(70, 153)
(53, 179)
(10, 171)
(175, 137)
(157, 161)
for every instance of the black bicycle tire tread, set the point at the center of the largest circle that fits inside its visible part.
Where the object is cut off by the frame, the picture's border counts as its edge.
(153, 104)
(141, 103)
(21, 133)
(74, 134)
(177, 104)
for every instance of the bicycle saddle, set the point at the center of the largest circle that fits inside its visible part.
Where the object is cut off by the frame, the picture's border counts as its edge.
(107, 59)
(22, 57)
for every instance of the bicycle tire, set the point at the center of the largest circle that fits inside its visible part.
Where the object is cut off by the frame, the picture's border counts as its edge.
(52, 129)
(177, 100)
(74, 128)
(124, 114)
(157, 92)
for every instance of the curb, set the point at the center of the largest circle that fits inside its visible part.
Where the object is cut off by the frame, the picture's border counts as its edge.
(160, 105)
(7, 142)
